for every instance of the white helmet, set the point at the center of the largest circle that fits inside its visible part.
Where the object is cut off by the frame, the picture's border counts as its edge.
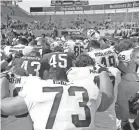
(93, 34)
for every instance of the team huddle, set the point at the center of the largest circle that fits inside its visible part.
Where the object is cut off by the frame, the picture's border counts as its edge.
(70, 84)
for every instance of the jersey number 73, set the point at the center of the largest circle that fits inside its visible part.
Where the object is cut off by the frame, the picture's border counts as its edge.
(75, 117)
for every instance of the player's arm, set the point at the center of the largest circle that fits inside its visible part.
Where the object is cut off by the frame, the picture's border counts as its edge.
(107, 90)
(4, 86)
(122, 107)
(11, 105)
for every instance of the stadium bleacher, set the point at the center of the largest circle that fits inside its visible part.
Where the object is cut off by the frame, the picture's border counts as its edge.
(15, 12)
(67, 21)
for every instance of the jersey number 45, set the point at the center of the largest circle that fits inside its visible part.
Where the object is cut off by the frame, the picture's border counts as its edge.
(59, 60)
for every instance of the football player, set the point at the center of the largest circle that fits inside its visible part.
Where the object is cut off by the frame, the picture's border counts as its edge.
(122, 109)
(131, 65)
(30, 61)
(106, 57)
(58, 104)
(130, 81)
(78, 48)
(84, 65)
(17, 78)
(52, 62)
(125, 48)
(75, 47)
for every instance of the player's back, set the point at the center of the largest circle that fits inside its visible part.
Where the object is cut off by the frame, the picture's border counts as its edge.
(55, 61)
(81, 73)
(59, 105)
(107, 120)
(31, 63)
(106, 57)
(16, 122)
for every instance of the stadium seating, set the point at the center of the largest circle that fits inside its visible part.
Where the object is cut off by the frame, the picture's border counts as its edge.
(64, 21)
(15, 12)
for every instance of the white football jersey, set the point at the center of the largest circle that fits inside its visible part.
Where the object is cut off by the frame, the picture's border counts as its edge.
(59, 105)
(125, 55)
(107, 120)
(106, 57)
(10, 49)
(7, 50)
(81, 73)
(20, 122)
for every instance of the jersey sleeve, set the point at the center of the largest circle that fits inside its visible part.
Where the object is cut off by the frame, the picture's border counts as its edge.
(29, 90)
(124, 56)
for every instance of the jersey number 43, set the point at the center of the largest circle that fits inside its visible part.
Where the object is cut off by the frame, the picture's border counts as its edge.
(35, 65)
